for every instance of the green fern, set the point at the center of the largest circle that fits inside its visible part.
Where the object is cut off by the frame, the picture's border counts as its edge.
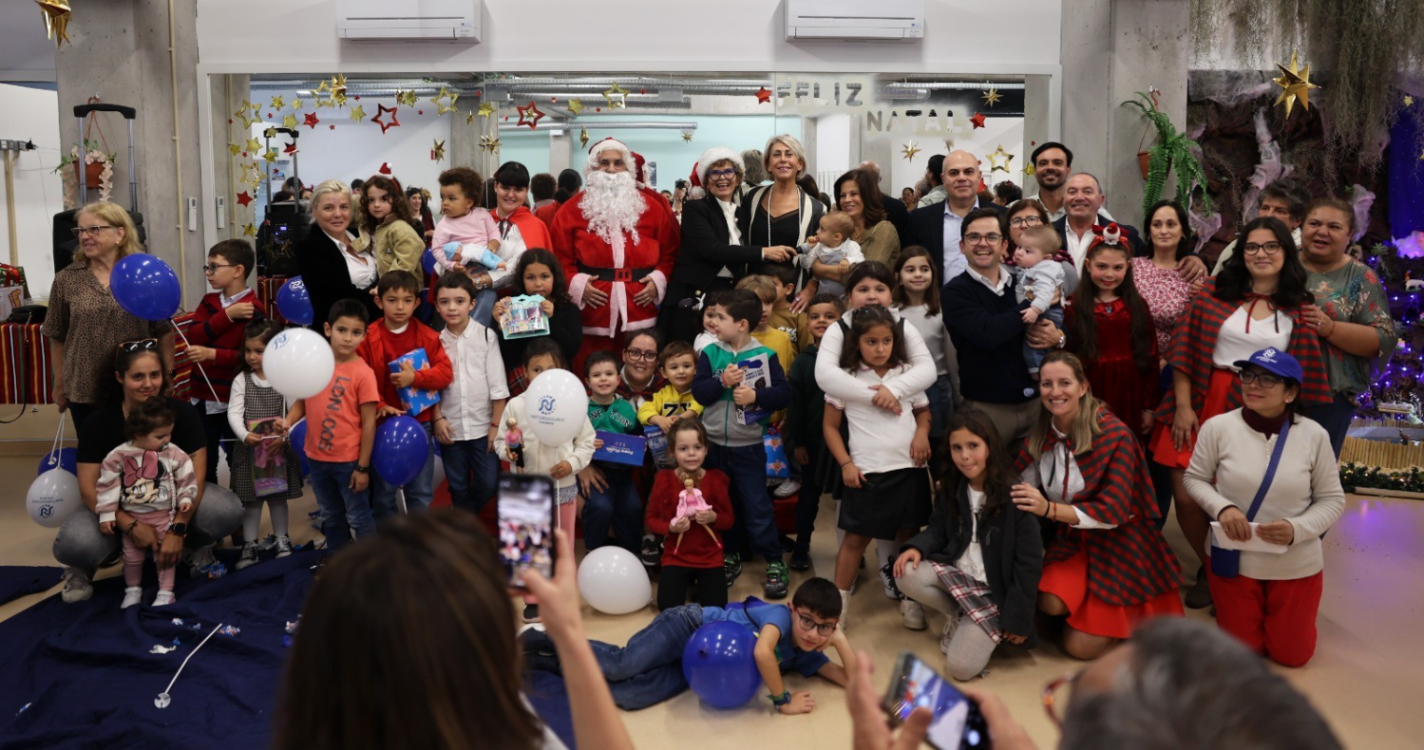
(1172, 149)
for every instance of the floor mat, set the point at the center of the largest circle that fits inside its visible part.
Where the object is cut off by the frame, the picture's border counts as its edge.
(19, 580)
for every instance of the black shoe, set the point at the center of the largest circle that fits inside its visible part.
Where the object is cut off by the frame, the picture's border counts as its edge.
(731, 568)
(776, 586)
(800, 562)
(652, 551)
(1199, 595)
(531, 613)
(887, 579)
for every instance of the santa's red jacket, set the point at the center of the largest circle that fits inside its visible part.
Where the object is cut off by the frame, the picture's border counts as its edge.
(588, 259)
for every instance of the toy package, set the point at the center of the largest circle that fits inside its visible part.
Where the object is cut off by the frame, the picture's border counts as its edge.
(524, 317)
(414, 399)
(269, 458)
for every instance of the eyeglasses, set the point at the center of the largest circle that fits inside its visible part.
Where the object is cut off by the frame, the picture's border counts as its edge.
(141, 345)
(1026, 221)
(822, 628)
(215, 267)
(1269, 248)
(1056, 695)
(81, 231)
(713, 174)
(1263, 379)
(640, 354)
(983, 239)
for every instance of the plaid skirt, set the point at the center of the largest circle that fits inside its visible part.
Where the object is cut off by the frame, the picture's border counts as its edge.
(972, 597)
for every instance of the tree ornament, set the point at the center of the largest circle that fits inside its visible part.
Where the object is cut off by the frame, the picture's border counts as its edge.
(909, 150)
(1295, 84)
(991, 96)
(526, 118)
(56, 14)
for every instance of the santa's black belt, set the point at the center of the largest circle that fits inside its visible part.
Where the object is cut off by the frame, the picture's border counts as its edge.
(625, 275)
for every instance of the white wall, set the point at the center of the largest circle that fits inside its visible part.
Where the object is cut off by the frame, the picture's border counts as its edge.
(833, 135)
(28, 114)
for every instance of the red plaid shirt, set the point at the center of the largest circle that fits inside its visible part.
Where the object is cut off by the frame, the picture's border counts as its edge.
(1130, 564)
(1194, 343)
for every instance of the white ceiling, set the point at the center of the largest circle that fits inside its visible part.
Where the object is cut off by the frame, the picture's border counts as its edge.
(25, 53)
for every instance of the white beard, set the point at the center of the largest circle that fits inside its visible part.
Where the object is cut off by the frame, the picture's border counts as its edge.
(612, 205)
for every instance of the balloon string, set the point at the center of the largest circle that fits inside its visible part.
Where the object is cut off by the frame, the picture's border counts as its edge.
(58, 436)
(190, 655)
(197, 365)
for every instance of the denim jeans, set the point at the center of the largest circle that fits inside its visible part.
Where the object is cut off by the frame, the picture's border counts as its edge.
(755, 527)
(343, 510)
(808, 504)
(1335, 417)
(941, 396)
(463, 458)
(219, 434)
(644, 673)
(484, 307)
(81, 545)
(618, 506)
(419, 492)
(1034, 357)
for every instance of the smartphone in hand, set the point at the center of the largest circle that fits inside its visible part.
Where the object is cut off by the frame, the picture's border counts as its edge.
(957, 722)
(526, 525)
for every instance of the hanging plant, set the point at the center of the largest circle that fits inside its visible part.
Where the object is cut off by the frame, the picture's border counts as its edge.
(97, 171)
(1173, 149)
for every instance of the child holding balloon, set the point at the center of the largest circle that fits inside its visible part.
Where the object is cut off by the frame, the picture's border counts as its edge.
(693, 551)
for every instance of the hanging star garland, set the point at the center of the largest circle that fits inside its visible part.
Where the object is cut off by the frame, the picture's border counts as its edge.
(489, 143)
(270, 156)
(687, 136)
(763, 95)
(253, 146)
(909, 150)
(977, 120)
(621, 94)
(270, 132)
(991, 96)
(996, 155)
(244, 198)
(56, 15)
(532, 120)
(445, 101)
(338, 91)
(291, 148)
(249, 230)
(1295, 84)
(278, 102)
(311, 120)
(289, 122)
(437, 151)
(487, 109)
(575, 107)
(405, 97)
(583, 137)
(469, 118)
(381, 111)
(247, 114)
(358, 112)
(234, 149)
(297, 104)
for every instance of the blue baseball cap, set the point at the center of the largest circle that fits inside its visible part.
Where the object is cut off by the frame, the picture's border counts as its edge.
(1275, 361)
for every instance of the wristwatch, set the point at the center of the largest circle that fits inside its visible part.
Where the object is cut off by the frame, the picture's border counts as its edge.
(178, 529)
(362, 469)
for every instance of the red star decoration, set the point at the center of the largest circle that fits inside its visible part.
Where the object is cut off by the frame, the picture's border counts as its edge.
(642, 91)
(311, 121)
(381, 111)
(420, 111)
(595, 109)
(530, 115)
(330, 127)
(290, 149)
(229, 122)
(763, 96)
(269, 115)
(244, 198)
(977, 120)
(244, 154)
(357, 98)
(1033, 143)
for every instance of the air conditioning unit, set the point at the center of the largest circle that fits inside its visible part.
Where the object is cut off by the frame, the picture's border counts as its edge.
(855, 20)
(408, 20)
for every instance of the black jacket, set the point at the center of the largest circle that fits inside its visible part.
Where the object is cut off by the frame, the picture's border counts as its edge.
(896, 214)
(706, 246)
(988, 334)
(1013, 556)
(925, 228)
(327, 278)
(1134, 239)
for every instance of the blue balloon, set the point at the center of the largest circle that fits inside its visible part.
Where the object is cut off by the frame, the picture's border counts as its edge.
(427, 263)
(294, 302)
(719, 665)
(401, 450)
(64, 458)
(297, 438)
(146, 287)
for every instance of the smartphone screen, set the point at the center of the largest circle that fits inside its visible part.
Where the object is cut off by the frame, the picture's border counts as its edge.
(526, 525)
(957, 723)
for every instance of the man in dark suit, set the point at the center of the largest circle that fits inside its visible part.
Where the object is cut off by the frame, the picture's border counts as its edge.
(1083, 198)
(937, 227)
(895, 211)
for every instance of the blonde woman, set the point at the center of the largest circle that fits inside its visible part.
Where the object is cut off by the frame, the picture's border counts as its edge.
(782, 214)
(335, 262)
(84, 323)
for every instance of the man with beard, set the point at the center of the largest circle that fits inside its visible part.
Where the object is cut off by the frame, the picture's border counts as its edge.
(937, 227)
(1052, 165)
(617, 242)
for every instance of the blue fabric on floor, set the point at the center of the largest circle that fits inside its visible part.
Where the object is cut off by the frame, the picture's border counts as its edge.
(18, 580)
(86, 673)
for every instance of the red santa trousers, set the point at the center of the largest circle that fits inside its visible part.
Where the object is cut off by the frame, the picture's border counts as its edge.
(1273, 618)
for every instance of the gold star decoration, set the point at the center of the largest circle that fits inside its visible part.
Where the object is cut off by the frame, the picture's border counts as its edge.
(246, 113)
(687, 136)
(56, 20)
(278, 102)
(1028, 170)
(358, 113)
(487, 109)
(575, 107)
(444, 101)
(909, 150)
(234, 149)
(289, 122)
(991, 96)
(338, 91)
(297, 104)
(1408, 100)
(469, 118)
(621, 94)
(1295, 84)
(996, 155)
(489, 143)
(437, 151)
(405, 97)
(270, 132)
(249, 230)
(253, 146)
(583, 137)
(270, 156)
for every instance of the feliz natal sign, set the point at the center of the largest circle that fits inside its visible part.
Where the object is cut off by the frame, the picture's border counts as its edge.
(848, 96)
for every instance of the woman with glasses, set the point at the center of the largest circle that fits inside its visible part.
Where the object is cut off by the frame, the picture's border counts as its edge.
(1266, 473)
(136, 373)
(84, 322)
(712, 255)
(335, 262)
(1257, 302)
(1350, 314)
(858, 194)
(1027, 213)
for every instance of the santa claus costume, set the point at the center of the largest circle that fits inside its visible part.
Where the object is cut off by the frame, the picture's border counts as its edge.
(615, 235)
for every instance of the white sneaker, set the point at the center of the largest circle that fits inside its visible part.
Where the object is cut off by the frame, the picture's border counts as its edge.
(163, 599)
(132, 595)
(950, 625)
(788, 488)
(912, 614)
(77, 586)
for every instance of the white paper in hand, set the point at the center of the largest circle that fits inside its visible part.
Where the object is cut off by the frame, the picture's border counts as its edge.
(1254, 544)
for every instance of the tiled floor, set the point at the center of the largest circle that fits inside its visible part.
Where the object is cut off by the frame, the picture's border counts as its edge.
(1367, 675)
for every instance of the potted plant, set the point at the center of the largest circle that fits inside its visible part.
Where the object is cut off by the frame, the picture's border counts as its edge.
(1172, 149)
(98, 168)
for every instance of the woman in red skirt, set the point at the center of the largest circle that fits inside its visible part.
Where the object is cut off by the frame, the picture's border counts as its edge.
(1108, 568)
(1255, 303)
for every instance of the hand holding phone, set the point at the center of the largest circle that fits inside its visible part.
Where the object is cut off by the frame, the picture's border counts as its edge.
(526, 525)
(957, 724)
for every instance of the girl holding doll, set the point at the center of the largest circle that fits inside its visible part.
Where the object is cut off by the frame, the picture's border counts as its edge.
(690, 505)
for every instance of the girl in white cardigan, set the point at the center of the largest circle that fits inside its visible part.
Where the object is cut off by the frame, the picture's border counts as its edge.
(1271, 605)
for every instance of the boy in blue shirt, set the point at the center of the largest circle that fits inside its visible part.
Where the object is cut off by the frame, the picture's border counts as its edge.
(790, 637)
(729, 392)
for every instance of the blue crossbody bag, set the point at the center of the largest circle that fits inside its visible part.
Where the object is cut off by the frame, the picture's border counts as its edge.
(1226, 563)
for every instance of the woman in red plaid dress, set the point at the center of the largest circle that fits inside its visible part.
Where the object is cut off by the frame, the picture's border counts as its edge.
(1108, 567)
(1257, 302)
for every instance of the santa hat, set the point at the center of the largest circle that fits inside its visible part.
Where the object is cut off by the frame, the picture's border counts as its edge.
(711, 156)
(613, 143)
(640, 169)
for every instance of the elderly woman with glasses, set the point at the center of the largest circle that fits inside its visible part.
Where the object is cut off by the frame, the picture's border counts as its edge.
(84, 323)
(713, 254)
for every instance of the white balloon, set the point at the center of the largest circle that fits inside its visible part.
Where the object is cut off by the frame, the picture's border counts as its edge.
(298, 363)
(53, 498)
(556, 406)
(613, 581)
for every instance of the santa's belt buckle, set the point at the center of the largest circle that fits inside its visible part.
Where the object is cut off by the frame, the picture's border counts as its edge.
(622, 275)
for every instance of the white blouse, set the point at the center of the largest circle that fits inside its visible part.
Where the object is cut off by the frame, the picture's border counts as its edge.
(1235, 343)
(361, 266)
(971, 563)
(734, 235)
(1050, 472)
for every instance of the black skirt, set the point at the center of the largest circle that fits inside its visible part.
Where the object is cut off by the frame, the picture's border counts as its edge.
(886, 503)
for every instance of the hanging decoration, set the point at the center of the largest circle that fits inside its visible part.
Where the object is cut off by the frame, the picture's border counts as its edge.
(445, 101)
(270, 155)
(381, 111)
(526, 118)
(616, 91)
(233, 149)
(996, 155)
(1408, 100)
(247, 113)
(358, 113)
(311, 120)
(1295, 84)
(290, 149)
(244, 198)
(338, 90)
(909, 150)
(297, 104)
(249, 230)
(1028, 170)
(763, 95)
(289, 122)
(56, 15)
(487, 109)
(575, 107)
(489, 143)
(469, 118)
(253, 146)
(405, 97)
(270, 132)
(991, 96)
(437, 151)
(583, 137)
(278, 102)
(977, 120)
(687, 136)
